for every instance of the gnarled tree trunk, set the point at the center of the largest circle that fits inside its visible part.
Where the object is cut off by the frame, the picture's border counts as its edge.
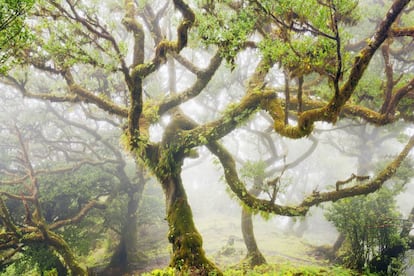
(188, 254)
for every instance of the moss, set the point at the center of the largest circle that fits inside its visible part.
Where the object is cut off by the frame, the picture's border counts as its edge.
(188, 254)
(150, 112)
(275, 108)
(145, 69)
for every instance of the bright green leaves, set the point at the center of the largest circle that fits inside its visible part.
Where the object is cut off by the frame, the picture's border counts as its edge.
(370, 225)
(13, 34)
(228, 30)
(302, 56)
(306, 36)
(312, 16)
(76, 39)
(252, 170)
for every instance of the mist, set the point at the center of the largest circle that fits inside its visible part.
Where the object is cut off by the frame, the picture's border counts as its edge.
(206, 137)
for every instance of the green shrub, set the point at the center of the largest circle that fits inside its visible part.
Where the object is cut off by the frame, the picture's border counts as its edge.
(371, 227)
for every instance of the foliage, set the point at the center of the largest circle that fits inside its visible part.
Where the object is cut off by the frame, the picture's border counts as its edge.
(270, 270)
(228, 30)
(252, 170)
(36, 257)
(299, 52)
(13, 32)
(370, 224)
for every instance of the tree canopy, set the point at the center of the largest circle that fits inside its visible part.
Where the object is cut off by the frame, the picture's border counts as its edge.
(13, 31)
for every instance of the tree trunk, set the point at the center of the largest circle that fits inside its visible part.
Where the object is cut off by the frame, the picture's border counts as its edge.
(254, 257)
(188, 255)
(63, 249)
(127, 253)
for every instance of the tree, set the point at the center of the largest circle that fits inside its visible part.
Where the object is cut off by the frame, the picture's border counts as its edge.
(72, 168)
(116, 64)
(31, 158)
(371, 227)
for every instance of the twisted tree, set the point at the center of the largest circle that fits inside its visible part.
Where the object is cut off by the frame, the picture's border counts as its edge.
(112, 56)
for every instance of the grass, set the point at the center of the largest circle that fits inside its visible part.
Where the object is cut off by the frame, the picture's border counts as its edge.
(285, 269)
(286, 254)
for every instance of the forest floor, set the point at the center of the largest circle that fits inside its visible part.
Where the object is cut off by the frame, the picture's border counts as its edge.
(224, 244)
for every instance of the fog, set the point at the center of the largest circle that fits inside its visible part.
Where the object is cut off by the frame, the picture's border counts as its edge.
(206, 137)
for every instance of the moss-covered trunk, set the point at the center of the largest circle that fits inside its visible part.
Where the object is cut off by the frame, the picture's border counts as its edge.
(254, 257)
(64, 251)
(188, 255)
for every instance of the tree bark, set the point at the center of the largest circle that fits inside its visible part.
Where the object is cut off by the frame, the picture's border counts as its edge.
(254, 257)
(64, 251)
(188, 255)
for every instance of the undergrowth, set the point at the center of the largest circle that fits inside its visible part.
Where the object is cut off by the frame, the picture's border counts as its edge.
(270, 270)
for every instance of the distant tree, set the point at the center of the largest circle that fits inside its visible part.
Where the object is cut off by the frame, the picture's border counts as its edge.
(111, 56)
(125, 182)
(21, 182)
(52, 175)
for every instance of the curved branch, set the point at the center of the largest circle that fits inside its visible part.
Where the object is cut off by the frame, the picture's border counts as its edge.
(331, 111)
(6, 218)
(203, 78)
(89, 97)
(90, 131)
(239, 188)
(398, 95)
(166, 46)
(79, 216)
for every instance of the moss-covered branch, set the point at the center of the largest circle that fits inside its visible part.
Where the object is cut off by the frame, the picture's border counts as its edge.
(362, 189)
(166, 46)
(235, 114)
(89, 97)
(239, 188)
(104, 104)
(57, 243)
(331, 111)
(398, 32)
(6, 218)
(25, 236)
(132, 25)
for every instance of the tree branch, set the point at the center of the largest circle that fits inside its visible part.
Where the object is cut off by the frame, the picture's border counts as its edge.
(79, 216)
(239, 188)
(203, 78)
(331, 111)
(165, 46)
